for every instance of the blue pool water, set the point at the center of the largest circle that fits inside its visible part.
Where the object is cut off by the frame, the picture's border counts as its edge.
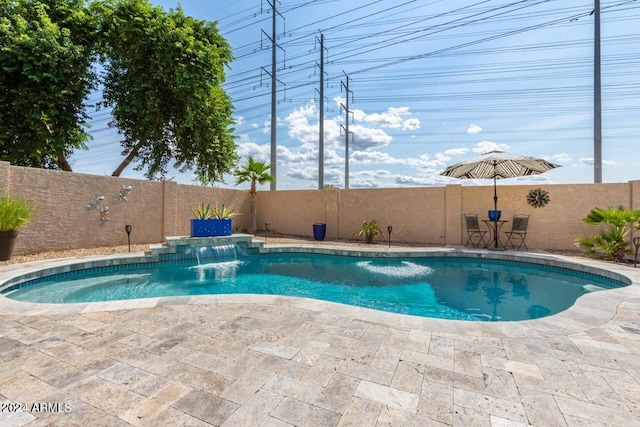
(451, 288)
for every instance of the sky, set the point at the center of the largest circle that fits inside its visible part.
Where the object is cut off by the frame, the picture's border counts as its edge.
(431, 83)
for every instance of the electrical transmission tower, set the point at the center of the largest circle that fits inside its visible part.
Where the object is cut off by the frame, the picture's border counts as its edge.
(274, 80)
(321, 118)
(345, 127)
(597, 98)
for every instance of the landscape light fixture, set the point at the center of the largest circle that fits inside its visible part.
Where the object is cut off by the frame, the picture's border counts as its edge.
(389, 229)
(266, 231)
(636, 243)
(127, 228)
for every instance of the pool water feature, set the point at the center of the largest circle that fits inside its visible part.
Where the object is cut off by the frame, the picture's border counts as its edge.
(441, 287)
(208, 253)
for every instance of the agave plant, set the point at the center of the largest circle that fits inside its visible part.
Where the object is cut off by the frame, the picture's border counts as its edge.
(203, 211)
(224, 212)
(611, 241)
(368, 230)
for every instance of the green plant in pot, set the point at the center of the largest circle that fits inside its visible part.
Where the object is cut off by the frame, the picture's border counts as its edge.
(15, 212)
(212, 220)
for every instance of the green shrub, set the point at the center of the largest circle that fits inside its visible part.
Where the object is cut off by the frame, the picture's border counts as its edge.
(368, 231)
(15, 211)
(611, 241)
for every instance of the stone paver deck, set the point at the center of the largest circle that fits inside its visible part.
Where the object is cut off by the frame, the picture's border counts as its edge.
(278, 361)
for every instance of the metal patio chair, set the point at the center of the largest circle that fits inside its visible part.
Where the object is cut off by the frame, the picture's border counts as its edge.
(476, 236)
(518, 231)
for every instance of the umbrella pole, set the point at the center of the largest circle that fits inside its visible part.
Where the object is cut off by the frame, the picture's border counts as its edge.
(495, 215)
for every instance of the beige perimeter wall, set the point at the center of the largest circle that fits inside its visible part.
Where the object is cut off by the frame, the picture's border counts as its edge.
(156, 209)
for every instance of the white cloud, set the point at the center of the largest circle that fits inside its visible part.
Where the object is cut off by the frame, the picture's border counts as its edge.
(456, 151)
(372, 157)
(473, 129)
(239, 120)
(364, 138)
(411, 124)
(258, 152)
(559, 158)
(486, 146)
(393, 118)
(586, 161)
(305, 174)
(423, 161)
(298, 155)
(385, 178)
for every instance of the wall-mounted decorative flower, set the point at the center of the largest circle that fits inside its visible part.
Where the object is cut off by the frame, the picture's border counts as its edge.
(538, 198)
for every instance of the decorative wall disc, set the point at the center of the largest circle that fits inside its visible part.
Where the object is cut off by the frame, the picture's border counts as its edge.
(538, 198)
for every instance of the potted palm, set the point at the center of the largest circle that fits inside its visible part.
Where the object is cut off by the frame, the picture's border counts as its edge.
(15, 212)
(212, 220)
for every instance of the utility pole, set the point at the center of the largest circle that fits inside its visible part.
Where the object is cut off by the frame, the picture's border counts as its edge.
(597, 99)
(321, 119)
(274, 80)
(346, 129)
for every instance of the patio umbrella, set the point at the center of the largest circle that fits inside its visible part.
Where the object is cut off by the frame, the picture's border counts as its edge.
(498, 165)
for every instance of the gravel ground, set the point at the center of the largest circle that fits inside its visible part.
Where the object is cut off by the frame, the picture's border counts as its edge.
(271, 240)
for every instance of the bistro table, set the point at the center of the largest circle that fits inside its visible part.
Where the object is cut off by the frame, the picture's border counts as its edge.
(494, 230)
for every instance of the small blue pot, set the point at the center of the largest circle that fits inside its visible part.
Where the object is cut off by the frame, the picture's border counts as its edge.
(494, 215)
(319, 231)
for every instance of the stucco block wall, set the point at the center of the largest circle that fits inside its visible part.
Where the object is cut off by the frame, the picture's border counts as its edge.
(429, 215)
(434, 215)
(63, 221)
(154, 209)
(295, 211)
(416, 214)
(557, 225)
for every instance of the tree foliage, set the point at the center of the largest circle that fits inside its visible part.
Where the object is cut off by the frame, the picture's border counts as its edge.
(164, 72)
(162, 78)
(46, 52)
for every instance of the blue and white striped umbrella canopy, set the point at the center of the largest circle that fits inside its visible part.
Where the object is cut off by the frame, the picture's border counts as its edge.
(498, 165)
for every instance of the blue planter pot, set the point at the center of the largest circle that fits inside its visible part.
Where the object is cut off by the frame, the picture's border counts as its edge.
(319, 231)
(494, 215)
(210, 227)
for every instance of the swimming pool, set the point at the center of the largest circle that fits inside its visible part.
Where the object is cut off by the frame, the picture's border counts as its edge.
(435, 286)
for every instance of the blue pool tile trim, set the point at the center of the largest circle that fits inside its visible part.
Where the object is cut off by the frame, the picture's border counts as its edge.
(175, 251)
(168, 259)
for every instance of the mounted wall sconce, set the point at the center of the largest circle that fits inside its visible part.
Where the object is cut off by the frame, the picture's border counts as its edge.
(266, 231)
(121, 196)
(636, 243)
(95, 203)
(389, 229)
(127, 228)
(104, 212)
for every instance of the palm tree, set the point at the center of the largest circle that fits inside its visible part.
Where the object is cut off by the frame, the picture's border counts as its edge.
(253, 171)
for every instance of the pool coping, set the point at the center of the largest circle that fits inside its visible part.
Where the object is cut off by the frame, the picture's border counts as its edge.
(589, 311)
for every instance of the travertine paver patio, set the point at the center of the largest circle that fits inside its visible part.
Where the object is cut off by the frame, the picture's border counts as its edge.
(278, 361)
